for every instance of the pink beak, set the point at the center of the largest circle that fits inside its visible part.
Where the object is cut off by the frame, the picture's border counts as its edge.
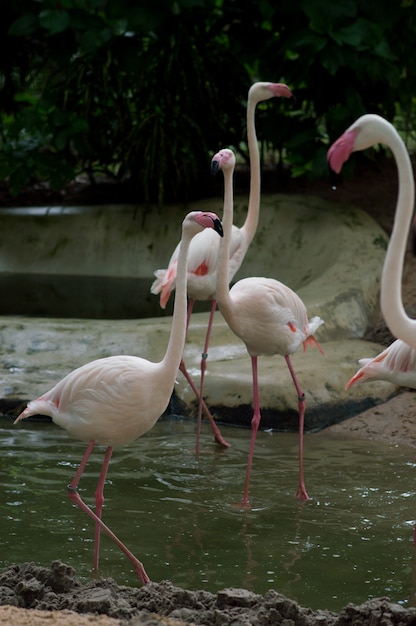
(341, 150)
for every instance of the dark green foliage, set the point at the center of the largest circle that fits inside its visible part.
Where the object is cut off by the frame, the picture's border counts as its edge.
(147, 90)
(343, 59)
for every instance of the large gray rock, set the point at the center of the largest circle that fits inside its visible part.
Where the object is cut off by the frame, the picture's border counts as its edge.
(99, 261)
(331, 255)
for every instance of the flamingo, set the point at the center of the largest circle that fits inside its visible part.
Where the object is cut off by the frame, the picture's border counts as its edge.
(112, 401)
(203, 254)
(396, 364)
(369, 130)
(267, 315)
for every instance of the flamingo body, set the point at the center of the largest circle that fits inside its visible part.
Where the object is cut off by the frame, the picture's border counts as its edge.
(281, 320)
(108, 400)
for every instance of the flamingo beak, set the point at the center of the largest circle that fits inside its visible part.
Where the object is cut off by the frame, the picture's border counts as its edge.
(281, 90)
(218, 227)
(215, 166)
(341, 150)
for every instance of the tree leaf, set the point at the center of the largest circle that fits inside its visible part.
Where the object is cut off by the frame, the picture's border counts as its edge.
(322, 13)
(54, 20)
(24, 25)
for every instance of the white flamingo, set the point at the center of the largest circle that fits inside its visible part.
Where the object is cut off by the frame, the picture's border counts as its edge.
(203, 253)
(114, 400)
(368, 131)
(266, 314)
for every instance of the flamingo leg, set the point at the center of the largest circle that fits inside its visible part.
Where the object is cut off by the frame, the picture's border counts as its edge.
(99, 502)
(182, 367)
(217, 433)
(203, 369)
(255, 422)
(301, 493)
(76, 498)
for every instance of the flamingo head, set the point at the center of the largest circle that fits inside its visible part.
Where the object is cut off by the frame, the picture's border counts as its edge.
(223, 160)
(264, 91)
(364, 133)
(341, 150)
(203, 219)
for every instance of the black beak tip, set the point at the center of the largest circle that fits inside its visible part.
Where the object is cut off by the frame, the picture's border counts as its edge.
(218, 227)
(214, 167)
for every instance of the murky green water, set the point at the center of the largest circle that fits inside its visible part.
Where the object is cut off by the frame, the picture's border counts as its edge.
(352, 541)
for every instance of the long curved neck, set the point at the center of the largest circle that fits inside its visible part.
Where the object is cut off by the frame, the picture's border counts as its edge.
(401, 326)
(222, 288)
(171, 361)
(250, 225)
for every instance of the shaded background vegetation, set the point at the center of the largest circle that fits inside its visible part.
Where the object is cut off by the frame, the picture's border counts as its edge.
(146, 91)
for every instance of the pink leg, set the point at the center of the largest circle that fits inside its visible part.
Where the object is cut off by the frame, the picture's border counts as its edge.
(76, 498)
(203, 369)
(217, 433)
(99, 502)
(255, 422)
(301, 493)
(182, 367)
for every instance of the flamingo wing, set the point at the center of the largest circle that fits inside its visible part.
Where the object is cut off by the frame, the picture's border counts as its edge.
(395, 364)
(202, 266)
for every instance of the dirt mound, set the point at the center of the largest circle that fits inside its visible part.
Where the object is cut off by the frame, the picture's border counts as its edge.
(39, 589)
